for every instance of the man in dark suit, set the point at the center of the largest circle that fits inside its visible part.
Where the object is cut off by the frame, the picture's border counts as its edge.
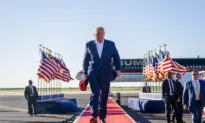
(179, 91)
(31, 96)
(146, 89)
(98, 69)
(194, 97)
(169, 96)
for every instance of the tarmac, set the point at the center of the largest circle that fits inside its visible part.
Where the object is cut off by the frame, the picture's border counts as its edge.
(13, 109)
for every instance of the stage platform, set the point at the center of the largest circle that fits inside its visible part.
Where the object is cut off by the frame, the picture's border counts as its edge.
(147, 103)
(115, 114)
(150, 96)
(49, 97)
(55, 104)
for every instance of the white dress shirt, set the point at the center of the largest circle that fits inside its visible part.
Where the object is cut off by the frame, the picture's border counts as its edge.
(147, 89)
(99, 46)
(31, 88)
(194, 85)
(171, 82)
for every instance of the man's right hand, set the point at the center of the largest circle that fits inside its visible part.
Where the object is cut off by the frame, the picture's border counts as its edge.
(178, 100)
(164, 100)
(185, 107)
(85, 77)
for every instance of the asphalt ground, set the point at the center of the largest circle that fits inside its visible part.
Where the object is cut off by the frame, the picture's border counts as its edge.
(13, 109)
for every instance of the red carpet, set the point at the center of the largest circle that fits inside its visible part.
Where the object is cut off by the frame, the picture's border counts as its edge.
(115, 114)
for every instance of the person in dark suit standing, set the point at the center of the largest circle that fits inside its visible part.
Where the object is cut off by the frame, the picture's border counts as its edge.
(169, 96)
(179, 91)
(31, 95)
(194, 97)
(100, 55)
(146, 89)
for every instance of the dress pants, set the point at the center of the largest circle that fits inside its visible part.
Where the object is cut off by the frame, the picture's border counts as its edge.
(171, 101)
(32, 105)
(180, 106)
(98, 99)
(197, 114)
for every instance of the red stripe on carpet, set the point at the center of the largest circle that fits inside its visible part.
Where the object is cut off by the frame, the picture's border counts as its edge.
(115, 114)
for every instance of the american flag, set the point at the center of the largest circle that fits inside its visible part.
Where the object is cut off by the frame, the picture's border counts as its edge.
(46, 68)
(157, 62)
(172, 66)
(160, 71)
(147, 68)
(64, 73)
(151, 67)
(144, 67)
(155, 67)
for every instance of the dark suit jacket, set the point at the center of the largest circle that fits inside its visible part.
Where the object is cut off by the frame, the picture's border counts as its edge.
(166, 89)
(189, 95)
(27, 92)
(93, 65)
(145, 91)
(179, 89)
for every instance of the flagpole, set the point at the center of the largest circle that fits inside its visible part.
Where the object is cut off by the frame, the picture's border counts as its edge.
(165, 45)
(60, 57)
(38, 85)
(42, 87)
(160, 47)
(39, 88)
(143, 68)
(152, 73)
(44, 92)
(54, 87)
(50, 87)
(59, 86)
(150, 84)
(156, 84)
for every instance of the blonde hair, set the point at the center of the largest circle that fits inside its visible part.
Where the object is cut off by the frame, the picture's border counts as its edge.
(97, 29)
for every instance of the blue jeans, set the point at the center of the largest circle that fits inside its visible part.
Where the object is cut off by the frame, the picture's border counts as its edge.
(197, 114)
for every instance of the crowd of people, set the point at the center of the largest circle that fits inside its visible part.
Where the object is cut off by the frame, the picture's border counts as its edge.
(179, 98)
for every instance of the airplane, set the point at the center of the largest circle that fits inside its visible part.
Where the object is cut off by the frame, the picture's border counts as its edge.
(132, 69)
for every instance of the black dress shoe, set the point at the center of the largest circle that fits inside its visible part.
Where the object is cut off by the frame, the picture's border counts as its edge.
(31, 114)
(93, 120)
(102, 121)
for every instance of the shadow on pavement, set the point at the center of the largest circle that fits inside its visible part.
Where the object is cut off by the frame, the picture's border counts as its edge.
(135, 115)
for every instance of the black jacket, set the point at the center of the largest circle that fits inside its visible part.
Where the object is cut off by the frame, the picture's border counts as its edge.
(166, 89)
(144, 90)
(179, 89)
(27, 92)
